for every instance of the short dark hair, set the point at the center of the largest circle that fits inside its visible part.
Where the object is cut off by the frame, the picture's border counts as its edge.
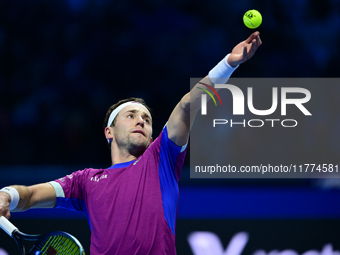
(111, 109)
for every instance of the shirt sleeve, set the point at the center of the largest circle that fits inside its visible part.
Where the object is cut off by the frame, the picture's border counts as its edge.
(171, 160)
(171, 156)
(70, 191)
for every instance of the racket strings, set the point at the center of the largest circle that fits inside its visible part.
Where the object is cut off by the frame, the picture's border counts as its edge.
(57, 244)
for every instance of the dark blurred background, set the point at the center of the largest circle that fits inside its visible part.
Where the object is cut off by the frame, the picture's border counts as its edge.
(64, 63)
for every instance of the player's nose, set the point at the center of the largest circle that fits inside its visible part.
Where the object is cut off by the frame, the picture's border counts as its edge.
(140, 121)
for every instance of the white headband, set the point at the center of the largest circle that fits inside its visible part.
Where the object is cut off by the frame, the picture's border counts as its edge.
(115, 112)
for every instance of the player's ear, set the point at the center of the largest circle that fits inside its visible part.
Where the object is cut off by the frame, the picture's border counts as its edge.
(108, 133)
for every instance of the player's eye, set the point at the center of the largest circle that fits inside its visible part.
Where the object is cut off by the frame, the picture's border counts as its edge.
(147, 119)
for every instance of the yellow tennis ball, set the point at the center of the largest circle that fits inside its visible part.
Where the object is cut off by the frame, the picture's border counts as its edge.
(252, 19)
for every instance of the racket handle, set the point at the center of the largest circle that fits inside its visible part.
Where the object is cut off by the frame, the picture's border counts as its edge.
(7, 226)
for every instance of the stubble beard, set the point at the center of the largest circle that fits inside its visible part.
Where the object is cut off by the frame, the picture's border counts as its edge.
(133, 145)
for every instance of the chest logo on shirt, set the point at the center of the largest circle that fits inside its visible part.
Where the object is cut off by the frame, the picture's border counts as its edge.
(97, 179)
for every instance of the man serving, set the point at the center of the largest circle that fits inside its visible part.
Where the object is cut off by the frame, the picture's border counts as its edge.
(131, 206)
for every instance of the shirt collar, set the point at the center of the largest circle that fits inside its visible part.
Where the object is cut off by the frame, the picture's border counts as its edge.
(120, 165)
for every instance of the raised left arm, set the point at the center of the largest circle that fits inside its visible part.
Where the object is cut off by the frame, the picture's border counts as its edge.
(183, 115)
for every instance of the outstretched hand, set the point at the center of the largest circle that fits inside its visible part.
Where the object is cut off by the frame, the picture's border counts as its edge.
(245, 50)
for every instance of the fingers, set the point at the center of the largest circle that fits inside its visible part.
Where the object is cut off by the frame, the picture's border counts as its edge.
(4, 205)
(245, 54)
(255, 43)
(258, 40)
(252, 37)
(253, 48)
(5, 213)
(245, 50)
(255, 37)
(248, 51)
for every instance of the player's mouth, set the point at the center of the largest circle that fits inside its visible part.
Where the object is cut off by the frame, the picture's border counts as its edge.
(139, 131)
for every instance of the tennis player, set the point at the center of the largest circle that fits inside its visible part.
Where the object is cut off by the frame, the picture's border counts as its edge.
(131, 206)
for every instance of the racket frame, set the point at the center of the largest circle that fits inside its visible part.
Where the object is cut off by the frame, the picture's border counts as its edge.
(18, 236)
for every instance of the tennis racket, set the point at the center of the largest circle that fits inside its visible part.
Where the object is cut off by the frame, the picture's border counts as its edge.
(53, 243)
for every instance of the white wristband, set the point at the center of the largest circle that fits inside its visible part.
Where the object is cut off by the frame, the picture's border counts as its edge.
(221, 72)
(14, 194)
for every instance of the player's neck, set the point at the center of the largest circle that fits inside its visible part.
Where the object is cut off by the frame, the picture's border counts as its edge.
(121, 156)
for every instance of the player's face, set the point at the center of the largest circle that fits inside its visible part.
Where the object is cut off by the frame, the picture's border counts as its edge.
(133, 129)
